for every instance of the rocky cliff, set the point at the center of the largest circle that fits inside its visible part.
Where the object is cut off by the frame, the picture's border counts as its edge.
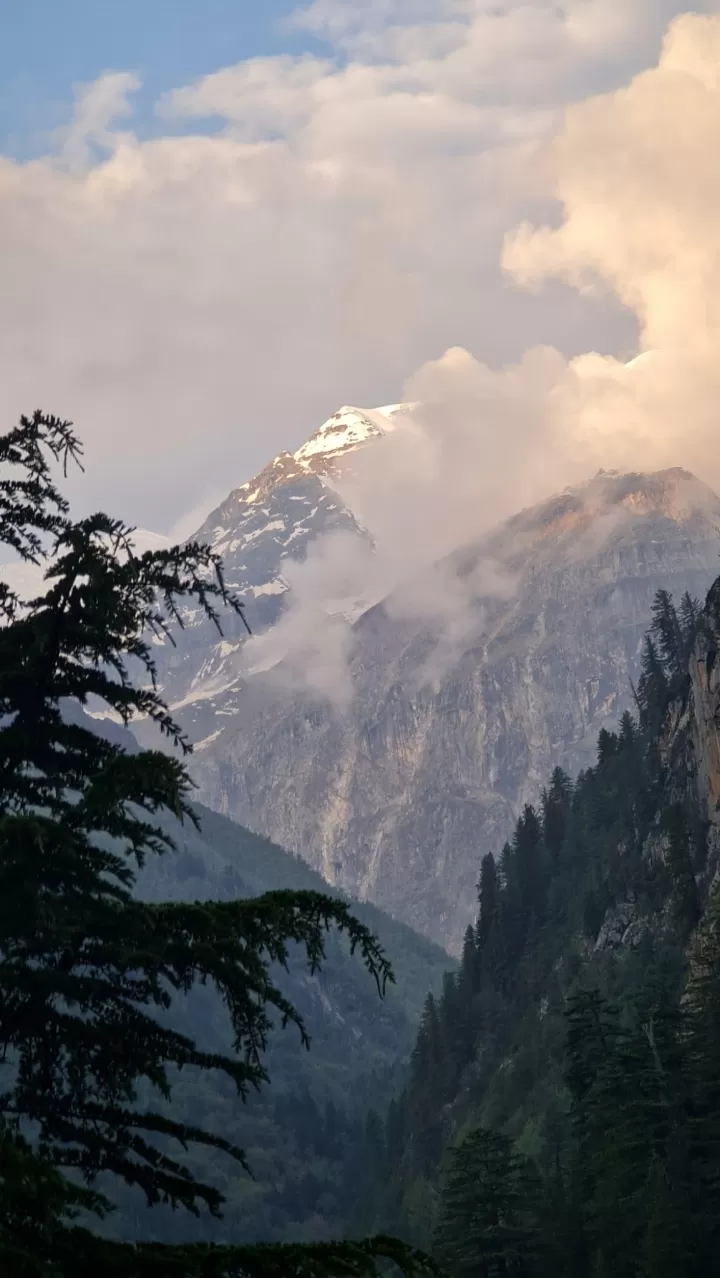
(458, 717)
(690, 743)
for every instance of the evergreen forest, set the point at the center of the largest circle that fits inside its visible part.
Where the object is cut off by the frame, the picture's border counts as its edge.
(555, 1115)
(562, 1116)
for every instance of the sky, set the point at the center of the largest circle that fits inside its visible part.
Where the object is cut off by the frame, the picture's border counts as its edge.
(47, 47)
(221, 221)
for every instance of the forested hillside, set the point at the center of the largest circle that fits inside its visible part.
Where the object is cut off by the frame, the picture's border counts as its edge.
(305, 1132)
(563, 1111)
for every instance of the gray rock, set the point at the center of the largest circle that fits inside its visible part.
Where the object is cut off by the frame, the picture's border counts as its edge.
(397, 796)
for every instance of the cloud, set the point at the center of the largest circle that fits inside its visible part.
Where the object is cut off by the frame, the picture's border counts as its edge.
(641, 214)
(639, 194)
(531, 48)
(301, 232)
(310, 646)
(639, 191)
(97, 108)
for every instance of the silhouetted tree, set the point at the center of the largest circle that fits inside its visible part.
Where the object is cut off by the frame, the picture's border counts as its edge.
(87, 971)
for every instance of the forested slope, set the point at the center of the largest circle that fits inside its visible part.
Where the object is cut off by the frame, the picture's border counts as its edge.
(303, 1133)
(563, 1111)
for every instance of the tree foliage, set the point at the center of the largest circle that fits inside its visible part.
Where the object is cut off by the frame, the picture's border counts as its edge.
(89, 973)
(595, 1043)
(485, 1226)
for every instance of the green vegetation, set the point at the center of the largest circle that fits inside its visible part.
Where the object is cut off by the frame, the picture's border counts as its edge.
(563, 1111)
(303, 1135)
(90, 972)
(559, 1116)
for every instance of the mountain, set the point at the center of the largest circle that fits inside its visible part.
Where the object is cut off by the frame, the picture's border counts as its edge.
(568, 1074)
(272, 518)
(299, 1132)
(457, 718)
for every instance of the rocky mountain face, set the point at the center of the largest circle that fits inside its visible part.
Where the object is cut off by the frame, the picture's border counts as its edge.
(690, 744)
(260, 528)
(607, 906)
(458, 715)
(465, 687)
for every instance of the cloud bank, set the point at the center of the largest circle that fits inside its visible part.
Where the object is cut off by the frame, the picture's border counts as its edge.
(634, 174)
(299, 233)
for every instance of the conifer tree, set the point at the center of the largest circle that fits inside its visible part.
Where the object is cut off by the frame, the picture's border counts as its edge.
(702, 1010)
(606, 747)
(488, 897)
(488, 1211)
(668, 634)
(689, 614)
(528, 884)
(686, 898)
(429, 1069)
(88, 971)
(652, 689)
(462, 1002)
(556, 800)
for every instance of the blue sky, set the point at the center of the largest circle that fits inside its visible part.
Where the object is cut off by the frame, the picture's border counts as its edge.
(48, 45)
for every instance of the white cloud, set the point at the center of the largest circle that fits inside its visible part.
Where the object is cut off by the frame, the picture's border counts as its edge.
(634, 172)
(640, 192)
(197, 301)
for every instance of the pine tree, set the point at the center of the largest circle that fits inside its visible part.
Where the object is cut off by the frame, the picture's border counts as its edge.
(652, 689)
(702, 1013)
(488, 1214)
(689, 615)
(488, 895)
(686, 898)
(87, 971)
(606, 747)
(459, 1013)
(629, 1089)
(556, 800)
(668, 634)
(530, 870)
(628, 731)
(428, 1077)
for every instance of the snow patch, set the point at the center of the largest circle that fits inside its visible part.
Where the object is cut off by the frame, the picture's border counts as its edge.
(274, 525)
(201, 745)
(348, 428)
(274, 587)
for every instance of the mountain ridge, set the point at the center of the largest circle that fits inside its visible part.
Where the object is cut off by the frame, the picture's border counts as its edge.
(445, 738)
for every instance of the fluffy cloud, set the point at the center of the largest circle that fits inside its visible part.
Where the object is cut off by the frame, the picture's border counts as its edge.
(633, 172)
(640, 194)
(201, 299)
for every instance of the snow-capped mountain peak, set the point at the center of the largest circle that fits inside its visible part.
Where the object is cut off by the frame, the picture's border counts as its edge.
(260, 528)
(347, 429)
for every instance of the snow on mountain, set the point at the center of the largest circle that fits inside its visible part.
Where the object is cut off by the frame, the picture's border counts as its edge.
(260, 528)
(347, 429)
